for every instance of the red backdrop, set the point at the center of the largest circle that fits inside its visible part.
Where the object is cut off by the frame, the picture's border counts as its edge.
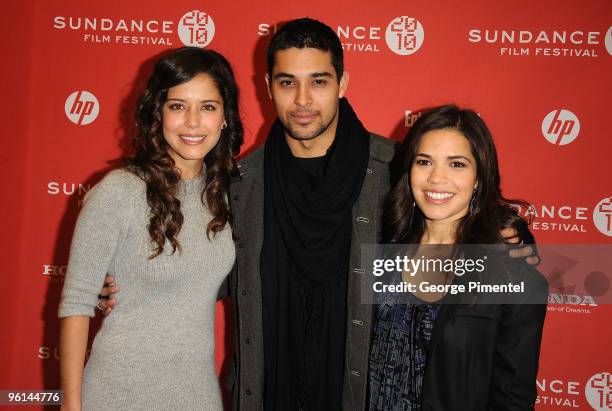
(534, 71)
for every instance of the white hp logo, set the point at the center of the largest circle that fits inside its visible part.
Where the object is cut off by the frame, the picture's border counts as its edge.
(404, 35)
(196, 28)
(82, 107)
(602, 216)
(560, 127)
(598, 391)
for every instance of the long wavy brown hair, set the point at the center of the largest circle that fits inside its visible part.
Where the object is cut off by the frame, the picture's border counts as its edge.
(403, 221)
(152, 162)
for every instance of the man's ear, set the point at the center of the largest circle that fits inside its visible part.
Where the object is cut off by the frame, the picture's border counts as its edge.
(344, 81)
(268, 86)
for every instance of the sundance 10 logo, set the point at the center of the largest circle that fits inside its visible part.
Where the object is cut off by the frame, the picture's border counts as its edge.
(82, 107)
(598, 391)
(560, 127)
(404, 35)
(196, 28)
(602, 216)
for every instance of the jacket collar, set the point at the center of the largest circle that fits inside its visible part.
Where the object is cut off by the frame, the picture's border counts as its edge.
(381, 148)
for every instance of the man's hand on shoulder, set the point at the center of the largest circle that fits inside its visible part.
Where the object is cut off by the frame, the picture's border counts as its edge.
(511, 236)
(106, 300)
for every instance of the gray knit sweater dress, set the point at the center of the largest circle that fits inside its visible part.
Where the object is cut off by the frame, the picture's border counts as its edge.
(155, 351)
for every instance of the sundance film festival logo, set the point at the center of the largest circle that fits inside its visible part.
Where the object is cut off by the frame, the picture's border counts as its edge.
(118, 31)
(598, 391)
(560, 127)
(82, 107)
(602, 216)
(556, 217)
(558, 393)
(404, 35)
(542, 43)
(196, 28)
(57, 188)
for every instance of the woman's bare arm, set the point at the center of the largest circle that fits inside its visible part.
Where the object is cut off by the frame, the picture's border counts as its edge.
(73, 346)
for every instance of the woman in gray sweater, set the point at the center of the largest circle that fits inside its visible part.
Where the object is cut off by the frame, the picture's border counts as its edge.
(161, 226)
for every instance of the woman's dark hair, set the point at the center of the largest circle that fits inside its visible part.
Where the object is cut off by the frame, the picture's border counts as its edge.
(403, 222)
(153, 164)
(307, 33)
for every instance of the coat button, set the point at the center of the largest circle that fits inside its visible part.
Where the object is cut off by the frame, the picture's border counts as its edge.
(241, 245)
(248, 392)
(247, 341)
(235, 198)
(243, 292)
(355, 373)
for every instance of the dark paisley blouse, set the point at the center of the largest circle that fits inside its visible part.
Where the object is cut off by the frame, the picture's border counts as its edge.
(398, 356)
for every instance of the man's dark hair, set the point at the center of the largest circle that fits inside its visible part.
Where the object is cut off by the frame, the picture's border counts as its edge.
(307, 33)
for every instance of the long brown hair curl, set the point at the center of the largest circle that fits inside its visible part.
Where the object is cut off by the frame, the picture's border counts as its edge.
(152, 162)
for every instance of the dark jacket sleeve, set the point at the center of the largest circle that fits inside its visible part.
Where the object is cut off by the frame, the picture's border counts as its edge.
(225, 290)
(517, 352)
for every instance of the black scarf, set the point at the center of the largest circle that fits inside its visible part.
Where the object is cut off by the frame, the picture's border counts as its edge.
(304, 265)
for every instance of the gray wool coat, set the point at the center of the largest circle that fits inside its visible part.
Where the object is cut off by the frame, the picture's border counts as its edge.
(247, 202)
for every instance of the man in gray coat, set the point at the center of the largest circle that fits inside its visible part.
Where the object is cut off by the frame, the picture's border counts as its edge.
(311, 334)
(302, 207)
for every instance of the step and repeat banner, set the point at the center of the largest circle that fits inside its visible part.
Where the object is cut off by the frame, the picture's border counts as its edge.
(537, 72)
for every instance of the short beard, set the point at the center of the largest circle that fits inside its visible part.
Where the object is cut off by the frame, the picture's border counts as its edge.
(322, 129)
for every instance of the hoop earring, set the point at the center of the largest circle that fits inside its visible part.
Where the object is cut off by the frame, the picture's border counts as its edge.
(412, 214)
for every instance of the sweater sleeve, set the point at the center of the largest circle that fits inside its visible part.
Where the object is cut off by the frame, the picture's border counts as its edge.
(101, 226)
